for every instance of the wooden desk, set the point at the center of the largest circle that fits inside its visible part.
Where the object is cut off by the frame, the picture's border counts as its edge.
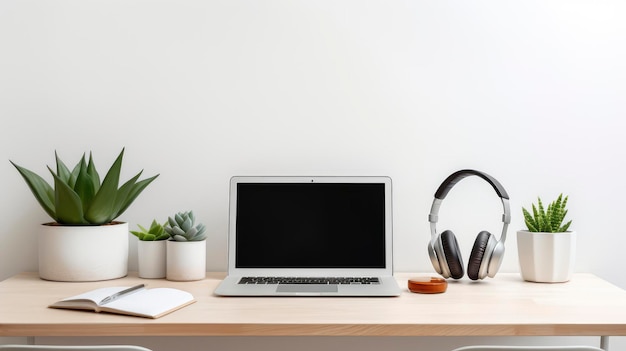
(503, 306)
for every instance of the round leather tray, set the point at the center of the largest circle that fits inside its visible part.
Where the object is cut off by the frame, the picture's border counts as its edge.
(428, 285)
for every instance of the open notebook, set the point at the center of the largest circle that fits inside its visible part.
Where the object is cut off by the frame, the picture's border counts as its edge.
(148, 303)
(312, 236)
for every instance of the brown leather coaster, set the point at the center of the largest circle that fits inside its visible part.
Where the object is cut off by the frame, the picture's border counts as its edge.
(428, 285)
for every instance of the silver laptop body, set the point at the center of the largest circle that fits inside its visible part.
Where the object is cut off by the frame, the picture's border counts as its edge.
(310, 236)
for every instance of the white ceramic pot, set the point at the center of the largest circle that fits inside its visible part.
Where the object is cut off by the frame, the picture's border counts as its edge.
(546, 257)
(151, 258)
(186, 260)
(83, 253)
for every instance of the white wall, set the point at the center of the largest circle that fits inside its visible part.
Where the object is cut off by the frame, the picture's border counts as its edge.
(531, 92)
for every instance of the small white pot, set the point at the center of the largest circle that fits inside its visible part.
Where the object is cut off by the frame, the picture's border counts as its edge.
(186, 260)
(546, 257)
(83, 253)
(151, 258)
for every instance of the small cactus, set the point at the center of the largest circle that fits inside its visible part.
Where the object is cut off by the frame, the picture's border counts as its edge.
(548, 220)
(155, 233)
(181, 227)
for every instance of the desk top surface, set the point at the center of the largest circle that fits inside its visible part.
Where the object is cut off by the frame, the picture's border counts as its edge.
(502, 306)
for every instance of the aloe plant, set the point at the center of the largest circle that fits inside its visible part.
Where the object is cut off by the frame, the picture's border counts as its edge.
(548, 220)
(78, 197)
(156, 232)
(181, 227)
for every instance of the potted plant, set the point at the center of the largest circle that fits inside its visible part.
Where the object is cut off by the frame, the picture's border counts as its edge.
(547, 249)
(151, 250)
(84, 243)
(186, 248)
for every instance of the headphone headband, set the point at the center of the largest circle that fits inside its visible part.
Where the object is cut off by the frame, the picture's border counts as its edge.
(456, 177)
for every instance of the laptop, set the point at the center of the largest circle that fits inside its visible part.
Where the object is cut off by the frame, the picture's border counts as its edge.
(310, 236)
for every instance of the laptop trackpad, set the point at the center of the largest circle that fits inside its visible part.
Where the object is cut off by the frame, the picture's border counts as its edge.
(306, 288)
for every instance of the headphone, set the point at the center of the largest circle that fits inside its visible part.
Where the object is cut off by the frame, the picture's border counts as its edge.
(487, 252)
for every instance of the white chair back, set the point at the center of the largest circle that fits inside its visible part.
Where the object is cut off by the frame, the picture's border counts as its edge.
(528, 348)
(72, 348)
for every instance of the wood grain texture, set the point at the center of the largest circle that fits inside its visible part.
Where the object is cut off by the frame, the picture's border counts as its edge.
(503, 306)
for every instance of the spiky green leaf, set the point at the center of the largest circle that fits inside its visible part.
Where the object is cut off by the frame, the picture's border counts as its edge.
(135, 190)
(69, 208)
(43, 192)
(62, 171)
(547, 219)
(565, 227)
(93, 173)
(103, 205)
(530, 221)
(84, 186)
(122, 195)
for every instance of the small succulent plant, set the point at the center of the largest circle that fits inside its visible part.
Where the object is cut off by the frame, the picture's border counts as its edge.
(156, 232)
(547, 220)
(181, 227)
(78, 197)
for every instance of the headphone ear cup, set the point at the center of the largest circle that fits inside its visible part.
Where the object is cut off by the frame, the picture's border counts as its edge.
(477, 255)
(452, 254)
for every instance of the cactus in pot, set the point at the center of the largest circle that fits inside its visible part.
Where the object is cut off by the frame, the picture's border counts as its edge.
(547, 250)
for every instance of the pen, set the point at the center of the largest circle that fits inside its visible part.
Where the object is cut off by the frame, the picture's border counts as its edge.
(121, 293)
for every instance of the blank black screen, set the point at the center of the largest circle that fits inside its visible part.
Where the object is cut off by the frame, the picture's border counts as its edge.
(310, 225)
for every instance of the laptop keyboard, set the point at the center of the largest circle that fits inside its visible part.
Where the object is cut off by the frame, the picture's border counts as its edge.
(309, 280)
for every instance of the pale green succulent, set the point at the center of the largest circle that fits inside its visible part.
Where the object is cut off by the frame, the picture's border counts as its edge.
(181, 227)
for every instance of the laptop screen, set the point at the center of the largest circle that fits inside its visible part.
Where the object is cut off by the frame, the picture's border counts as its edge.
(310, 225)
